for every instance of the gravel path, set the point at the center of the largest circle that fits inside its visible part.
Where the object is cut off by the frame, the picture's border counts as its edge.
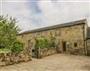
(57, 62)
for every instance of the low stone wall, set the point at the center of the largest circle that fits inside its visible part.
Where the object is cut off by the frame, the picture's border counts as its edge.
(8, 58)
(88, 47)
(46, 52)
(88, 50)
(76, 51)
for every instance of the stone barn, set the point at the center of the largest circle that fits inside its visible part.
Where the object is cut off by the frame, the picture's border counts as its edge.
(71, 37)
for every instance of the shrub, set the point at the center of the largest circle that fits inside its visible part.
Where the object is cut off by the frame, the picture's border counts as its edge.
(17, 47)
(43, 42)
(52, 42)
(4, 50)
(8, 34)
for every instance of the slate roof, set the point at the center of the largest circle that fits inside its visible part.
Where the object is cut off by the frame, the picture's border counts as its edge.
(83, 21)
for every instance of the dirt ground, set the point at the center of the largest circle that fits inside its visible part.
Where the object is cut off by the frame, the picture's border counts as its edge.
(57, 62)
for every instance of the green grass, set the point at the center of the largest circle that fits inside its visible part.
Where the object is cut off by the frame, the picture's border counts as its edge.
(4, 50)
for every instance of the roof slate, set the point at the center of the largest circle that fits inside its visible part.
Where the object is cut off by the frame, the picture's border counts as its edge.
(83, 21)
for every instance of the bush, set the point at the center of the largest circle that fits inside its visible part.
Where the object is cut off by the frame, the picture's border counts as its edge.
(17, 47)
(8, 34)
(52, 42)
(43, 42)
(4, 50)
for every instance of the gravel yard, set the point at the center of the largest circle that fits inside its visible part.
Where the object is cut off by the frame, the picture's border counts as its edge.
(56, 62)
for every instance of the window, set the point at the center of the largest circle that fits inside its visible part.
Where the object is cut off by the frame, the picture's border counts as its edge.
(33, 50)
(75, 44)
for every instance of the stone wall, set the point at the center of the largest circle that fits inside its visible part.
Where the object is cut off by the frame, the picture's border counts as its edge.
(8, 58)
(71, 35)
(46, 52)
(88, 47)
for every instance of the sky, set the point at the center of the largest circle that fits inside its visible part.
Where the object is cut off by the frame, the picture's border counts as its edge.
(32, 14)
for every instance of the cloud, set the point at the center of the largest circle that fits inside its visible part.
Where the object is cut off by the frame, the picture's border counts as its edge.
(37, 17)
(14, 0)
(33, 4)
(59, 12)
(18, 10)
(65, 0)
(40, 13)
(27, 13)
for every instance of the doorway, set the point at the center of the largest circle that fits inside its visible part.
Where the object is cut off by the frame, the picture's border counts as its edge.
(64, 46)
(31, 49)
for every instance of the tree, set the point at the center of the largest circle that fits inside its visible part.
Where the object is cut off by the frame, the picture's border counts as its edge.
(8, 32)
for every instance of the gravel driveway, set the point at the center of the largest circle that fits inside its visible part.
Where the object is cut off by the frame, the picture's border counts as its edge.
(57, 62)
